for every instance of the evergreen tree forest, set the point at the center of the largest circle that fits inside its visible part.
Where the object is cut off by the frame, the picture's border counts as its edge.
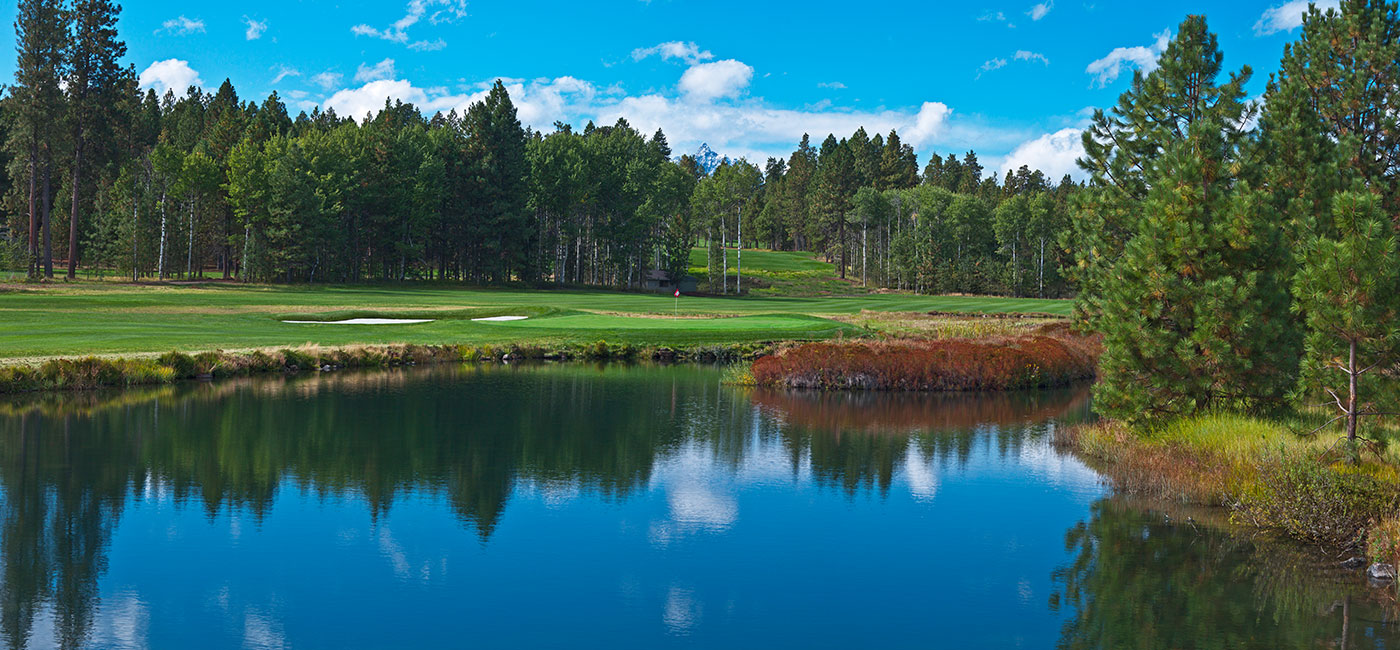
(103, 177)
(1238, 254)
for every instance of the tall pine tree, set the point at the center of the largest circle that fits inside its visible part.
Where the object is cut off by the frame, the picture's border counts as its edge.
(94, 91)
(1191, 300)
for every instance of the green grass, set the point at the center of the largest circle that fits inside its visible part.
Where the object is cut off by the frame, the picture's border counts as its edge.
(777, 273)
(117, 318)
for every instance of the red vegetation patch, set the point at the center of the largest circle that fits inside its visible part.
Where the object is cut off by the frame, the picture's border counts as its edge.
(1034, 361)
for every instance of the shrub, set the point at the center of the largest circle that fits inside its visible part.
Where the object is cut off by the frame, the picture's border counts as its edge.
(205, 363)
(951, 364)
(183, 365)
(295, 360)
(1316, 502)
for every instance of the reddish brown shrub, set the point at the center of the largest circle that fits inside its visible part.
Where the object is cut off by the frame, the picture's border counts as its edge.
(950, 364)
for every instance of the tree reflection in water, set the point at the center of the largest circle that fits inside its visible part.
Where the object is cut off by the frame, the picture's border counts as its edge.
(472, 436)
(1139, 579)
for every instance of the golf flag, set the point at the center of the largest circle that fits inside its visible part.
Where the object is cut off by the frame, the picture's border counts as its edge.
(678, 293)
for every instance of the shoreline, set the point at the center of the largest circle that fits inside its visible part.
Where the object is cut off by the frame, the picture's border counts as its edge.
(115, 371)
(1259, 474)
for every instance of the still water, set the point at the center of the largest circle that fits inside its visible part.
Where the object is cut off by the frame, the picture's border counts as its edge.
(613, 507)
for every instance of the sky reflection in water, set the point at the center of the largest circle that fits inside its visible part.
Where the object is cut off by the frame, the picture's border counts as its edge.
(587, 507)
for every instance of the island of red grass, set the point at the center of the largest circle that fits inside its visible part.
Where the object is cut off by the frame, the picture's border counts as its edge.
(1048, 358)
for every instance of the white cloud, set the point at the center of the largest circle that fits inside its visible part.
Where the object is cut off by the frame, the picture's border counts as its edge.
(717, 113)
(427, 46)
(832, 85)
(255, 28)
(1106, 70)
(170, 74)
(706, 81)
(182, 26)
(928, 123)
(382, 70)
(1052, 153)
(990, 65)
(1023, 55)
(283, 72)
(327, 80)
(538, 103)
(1287, 16)
(436, 11)
(1037, 12)
(685, 51)
(996, 16)
(997, 63)
(369, 98)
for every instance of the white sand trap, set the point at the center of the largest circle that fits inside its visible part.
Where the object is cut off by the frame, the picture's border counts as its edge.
(497, 319)
(363, 321)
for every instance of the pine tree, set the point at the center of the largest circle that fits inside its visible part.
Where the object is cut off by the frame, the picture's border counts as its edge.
(41, 29)
(833, 187)
(1327, 110)
(1193, 306)
(802, 168)
(497, 144)
(1348, 287)
(899, 169)
(94, 88)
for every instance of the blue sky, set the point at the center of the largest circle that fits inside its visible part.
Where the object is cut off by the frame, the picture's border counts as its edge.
(1012, 80)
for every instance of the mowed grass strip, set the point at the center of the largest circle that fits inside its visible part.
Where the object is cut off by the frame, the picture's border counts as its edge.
(110, 318)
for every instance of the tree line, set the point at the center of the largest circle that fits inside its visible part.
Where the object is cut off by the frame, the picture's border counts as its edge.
(1241, 254)
(210, 184)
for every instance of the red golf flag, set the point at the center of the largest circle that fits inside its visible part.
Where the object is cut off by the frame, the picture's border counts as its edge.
(678, 293)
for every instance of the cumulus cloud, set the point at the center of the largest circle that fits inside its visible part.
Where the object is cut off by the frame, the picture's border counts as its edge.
(382, 70)
(1288, 16)
(181, 26)
(717, 112)
(685, 51)
(1052, 153)
(436, 11)
(707, 81)
(1106, 70)
(1037, 12)
(538, 103)
(255, 28)
(170, 74)
(832, 85)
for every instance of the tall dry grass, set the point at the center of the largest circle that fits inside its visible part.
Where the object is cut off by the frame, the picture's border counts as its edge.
(995, 363)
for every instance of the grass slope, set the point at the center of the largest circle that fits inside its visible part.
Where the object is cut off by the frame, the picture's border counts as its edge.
(776, 273)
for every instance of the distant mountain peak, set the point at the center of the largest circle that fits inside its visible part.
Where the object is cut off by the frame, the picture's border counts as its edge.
(707, 158)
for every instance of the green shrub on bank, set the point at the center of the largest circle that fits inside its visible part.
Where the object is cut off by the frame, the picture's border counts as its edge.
(1318, 503)
(1265, 473)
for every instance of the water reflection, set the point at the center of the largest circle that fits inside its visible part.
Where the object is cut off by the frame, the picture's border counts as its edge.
(716, 513)
(1139, 580)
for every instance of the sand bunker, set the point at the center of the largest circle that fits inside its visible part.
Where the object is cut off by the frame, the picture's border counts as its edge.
(364, 321)
(501, 318)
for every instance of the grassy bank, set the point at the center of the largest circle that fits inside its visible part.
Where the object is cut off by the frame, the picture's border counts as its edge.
(94, 372)
(1262, 471)
(1043, 359)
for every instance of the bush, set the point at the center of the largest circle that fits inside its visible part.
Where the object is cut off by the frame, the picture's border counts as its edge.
(951, 364)
(1316, 502)
(183, 365)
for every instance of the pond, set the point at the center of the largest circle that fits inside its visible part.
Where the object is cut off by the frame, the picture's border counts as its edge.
(591, 506)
